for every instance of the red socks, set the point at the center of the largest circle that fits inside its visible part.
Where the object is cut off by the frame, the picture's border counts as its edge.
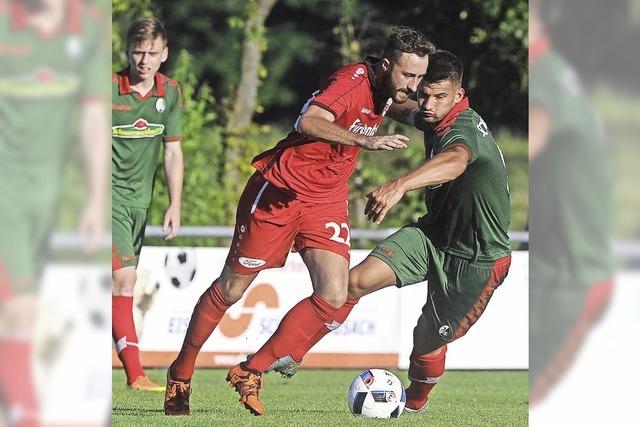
(424, 373)
(16, 382)
(124, 335)
(340, 316)
(302, 327)
(206, 315)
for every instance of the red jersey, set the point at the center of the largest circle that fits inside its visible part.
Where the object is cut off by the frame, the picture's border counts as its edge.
(315, 170)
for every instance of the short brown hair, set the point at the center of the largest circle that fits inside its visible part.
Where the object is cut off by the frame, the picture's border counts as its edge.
(146, 29)
(407, 40)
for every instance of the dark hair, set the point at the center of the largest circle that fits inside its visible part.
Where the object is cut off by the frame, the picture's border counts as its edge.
(444, 65)
(407, 40)
(146, 29)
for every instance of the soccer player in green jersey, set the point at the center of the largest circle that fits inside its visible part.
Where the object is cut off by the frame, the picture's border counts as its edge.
(571, 271)
(460, 246)
(146, 113)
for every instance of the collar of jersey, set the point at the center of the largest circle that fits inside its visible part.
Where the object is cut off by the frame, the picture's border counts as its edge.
(369, 62)
(538, 48)
(125, 87)
(445, 124)
(18, 14)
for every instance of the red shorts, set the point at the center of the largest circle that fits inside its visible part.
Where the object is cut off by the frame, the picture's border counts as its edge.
(270, 222)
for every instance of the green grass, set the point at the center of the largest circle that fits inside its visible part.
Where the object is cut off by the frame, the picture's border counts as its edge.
(318, 397)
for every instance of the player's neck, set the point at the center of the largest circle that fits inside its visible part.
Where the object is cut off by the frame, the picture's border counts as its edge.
(143, 87)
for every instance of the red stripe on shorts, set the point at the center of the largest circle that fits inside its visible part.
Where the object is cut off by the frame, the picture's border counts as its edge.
(500, 270)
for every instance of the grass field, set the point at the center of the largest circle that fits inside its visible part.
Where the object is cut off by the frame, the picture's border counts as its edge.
(318, 397)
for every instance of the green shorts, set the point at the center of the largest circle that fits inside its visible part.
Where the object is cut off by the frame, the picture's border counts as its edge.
(128, 224)
(25, 228)
(459, 289)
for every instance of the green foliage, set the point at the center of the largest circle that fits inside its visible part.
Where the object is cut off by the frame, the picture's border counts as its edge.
(305, 41)
(202, 147)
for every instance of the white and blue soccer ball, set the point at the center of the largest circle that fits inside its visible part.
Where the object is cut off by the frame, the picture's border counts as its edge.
(180, 267)
(376, 393)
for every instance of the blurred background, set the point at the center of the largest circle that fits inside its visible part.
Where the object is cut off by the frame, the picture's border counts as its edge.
(300, 43)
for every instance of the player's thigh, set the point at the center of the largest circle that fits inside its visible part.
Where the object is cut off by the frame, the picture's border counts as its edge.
(123, 281)
(410, 254)
(329, 274)
(18, 268)
(266, 223)
(123, 249)
(326, 227)
(370, 275)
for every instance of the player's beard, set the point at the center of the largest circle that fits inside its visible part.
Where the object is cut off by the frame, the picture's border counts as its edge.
(389, 90)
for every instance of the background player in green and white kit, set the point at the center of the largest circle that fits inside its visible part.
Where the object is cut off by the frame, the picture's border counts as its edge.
(461, 245)
(146, 113)
(571, 273)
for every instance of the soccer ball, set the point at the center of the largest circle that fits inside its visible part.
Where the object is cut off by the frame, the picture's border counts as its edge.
(180, 267)
(376, 393)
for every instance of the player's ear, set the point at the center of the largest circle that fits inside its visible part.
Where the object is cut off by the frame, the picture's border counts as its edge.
(459, 94)
(385, 64)
(165, 53)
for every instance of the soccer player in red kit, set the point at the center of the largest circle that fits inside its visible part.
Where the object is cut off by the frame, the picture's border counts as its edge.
(297, 198)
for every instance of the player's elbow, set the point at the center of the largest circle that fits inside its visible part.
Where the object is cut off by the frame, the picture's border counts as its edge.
(458, 166)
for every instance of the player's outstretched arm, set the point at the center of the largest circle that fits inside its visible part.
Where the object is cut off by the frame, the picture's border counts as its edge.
(319, 123)
(174, 170)
(444, 167)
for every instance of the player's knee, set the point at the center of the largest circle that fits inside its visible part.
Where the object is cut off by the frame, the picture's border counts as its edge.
(356, 284)
(231, 290)
(336, 300)
(123, 285)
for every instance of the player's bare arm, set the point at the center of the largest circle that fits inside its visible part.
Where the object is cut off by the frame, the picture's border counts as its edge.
(444, 167)
(540, 122)
(174, 170)
(95, 146)
(319, 123)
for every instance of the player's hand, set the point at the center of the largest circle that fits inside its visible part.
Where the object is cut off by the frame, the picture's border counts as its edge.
(171, 219)
(385, 142)
(382, 199)
(91, 225)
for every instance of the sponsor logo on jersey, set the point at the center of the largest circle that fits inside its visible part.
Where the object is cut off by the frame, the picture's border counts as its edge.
(365, 110)
(358, 73)
(251, 262)
(444, 331)
(42, 83)
(161, 105)
(121, 107)
(138, 129)
(363, 129)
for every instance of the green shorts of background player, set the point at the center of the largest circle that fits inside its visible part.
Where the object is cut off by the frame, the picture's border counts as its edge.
(127, 232)
(459, 291)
